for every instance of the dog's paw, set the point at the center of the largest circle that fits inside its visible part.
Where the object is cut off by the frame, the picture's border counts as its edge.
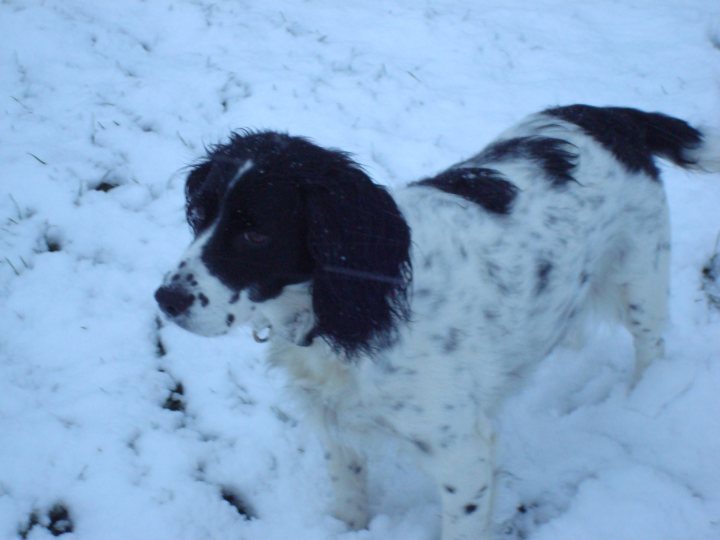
(355, 516)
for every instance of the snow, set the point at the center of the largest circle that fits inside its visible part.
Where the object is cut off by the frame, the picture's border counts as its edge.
(137, 429)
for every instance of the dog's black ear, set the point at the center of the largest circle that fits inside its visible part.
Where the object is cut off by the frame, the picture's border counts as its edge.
(360, 243)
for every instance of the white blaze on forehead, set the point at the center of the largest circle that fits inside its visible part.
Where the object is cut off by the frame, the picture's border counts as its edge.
(216, 307)
(240, 172)
(194, 250)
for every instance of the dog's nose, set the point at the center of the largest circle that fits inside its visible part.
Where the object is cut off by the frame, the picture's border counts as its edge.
(173, 300)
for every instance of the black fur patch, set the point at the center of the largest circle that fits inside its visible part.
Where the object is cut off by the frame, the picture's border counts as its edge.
(553, 156)
(422, 446)
(543, 276)
(486, 187)
(634, 136)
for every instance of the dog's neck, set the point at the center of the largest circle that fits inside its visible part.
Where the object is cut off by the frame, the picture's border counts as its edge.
(289, 317)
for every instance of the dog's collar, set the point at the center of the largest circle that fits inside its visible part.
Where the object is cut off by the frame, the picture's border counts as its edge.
(294, 331)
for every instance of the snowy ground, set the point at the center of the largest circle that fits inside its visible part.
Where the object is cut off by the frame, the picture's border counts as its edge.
(113, 427)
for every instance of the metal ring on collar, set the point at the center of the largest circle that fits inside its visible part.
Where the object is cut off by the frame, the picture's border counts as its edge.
(267, 332)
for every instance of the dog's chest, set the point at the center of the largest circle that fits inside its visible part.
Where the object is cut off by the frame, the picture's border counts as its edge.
(352, 399)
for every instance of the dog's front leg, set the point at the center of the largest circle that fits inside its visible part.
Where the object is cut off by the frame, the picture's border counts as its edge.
(348, 476)
(464, 469)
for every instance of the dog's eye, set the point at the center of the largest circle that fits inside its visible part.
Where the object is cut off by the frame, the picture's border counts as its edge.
(254, 238)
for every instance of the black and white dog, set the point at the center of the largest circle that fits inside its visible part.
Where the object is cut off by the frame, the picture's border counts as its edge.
(416, 312)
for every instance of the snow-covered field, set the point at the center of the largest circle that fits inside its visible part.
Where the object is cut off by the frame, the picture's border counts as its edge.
(115, 426)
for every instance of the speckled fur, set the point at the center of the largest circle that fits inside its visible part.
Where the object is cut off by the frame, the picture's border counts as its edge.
(492, 292)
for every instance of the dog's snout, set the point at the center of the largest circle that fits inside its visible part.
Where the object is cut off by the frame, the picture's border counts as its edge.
(173, 300)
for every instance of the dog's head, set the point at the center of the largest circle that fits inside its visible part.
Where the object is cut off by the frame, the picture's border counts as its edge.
(277, 218)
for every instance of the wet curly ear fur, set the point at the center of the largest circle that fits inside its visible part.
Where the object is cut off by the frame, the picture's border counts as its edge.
(207, 182)
(198, 203)
(360, 243)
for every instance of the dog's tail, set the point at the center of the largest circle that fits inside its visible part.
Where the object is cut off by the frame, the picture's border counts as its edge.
(706, 155)
(676, 140)
(635, 136)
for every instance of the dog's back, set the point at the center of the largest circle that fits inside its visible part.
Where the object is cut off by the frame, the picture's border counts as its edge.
(563, 214)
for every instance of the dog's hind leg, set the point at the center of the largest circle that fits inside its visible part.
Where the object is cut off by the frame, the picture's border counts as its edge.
(644, 294)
